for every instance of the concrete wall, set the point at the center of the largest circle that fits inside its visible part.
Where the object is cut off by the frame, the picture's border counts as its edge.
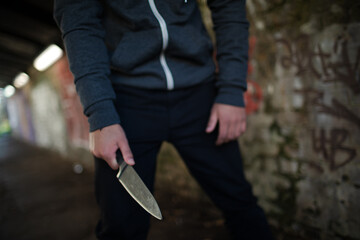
(48, 113)
(48, 117)
(302, 146)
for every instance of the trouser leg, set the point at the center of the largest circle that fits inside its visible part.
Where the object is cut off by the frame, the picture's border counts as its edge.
(218, 169)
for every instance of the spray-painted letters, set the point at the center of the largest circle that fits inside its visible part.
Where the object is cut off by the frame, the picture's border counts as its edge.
(312, 62)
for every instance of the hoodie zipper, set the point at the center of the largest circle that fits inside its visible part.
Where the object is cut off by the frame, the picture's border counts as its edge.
(165, 38)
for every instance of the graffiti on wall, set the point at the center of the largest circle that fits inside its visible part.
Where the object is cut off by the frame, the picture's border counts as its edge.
(253, 96)
(76, 122)
(329, 144)
(20, 116)
(326, 66)
(333, 66)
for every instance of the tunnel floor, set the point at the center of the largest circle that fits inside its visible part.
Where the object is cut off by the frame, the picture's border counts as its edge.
(41, 197)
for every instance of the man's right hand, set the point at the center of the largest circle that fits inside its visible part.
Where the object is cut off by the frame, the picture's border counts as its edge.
(106, 141)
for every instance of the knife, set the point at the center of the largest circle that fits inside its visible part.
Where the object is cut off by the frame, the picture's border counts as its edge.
(133, 184)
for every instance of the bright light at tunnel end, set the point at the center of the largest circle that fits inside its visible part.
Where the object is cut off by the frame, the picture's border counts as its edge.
(48, 57)
(8, 91)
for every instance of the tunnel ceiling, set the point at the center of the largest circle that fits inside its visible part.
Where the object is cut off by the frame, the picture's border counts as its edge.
(26, 29)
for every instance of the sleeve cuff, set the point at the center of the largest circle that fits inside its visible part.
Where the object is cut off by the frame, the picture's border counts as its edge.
(102, 114)
(230, 96)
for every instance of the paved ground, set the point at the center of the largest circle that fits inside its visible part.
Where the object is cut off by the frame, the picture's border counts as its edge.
(42, 198)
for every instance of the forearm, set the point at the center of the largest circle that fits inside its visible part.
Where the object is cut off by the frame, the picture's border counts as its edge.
(83, 34)
(231, 29)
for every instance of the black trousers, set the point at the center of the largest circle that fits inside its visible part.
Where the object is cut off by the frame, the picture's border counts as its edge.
(180, 117)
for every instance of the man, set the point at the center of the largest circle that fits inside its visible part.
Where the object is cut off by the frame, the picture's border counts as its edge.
(144, 72)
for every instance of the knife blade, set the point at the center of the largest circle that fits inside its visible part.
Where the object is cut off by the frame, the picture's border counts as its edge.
(133, 184)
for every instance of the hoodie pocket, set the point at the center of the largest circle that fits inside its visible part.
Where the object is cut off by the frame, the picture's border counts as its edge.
(190, 43)
(135, 49)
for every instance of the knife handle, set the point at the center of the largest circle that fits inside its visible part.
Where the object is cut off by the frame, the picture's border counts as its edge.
(121, 162)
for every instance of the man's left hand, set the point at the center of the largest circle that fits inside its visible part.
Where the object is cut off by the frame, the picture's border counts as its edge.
(231, 119)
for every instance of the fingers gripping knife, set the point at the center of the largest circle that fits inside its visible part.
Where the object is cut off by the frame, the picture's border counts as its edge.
(133, 184)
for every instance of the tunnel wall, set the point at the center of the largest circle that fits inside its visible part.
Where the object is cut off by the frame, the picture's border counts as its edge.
(302, 145)
(48, 113)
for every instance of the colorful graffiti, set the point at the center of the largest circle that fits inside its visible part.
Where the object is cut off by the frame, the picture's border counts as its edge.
(76, 122)
(20, 116)
(253, 96)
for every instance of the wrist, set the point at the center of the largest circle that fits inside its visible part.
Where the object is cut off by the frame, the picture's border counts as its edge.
(234, 98)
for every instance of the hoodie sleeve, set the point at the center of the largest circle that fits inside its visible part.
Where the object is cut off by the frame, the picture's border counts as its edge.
(83, 34)
(231, 29)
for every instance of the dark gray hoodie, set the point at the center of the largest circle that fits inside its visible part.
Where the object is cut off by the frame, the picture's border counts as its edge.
(153, 44)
